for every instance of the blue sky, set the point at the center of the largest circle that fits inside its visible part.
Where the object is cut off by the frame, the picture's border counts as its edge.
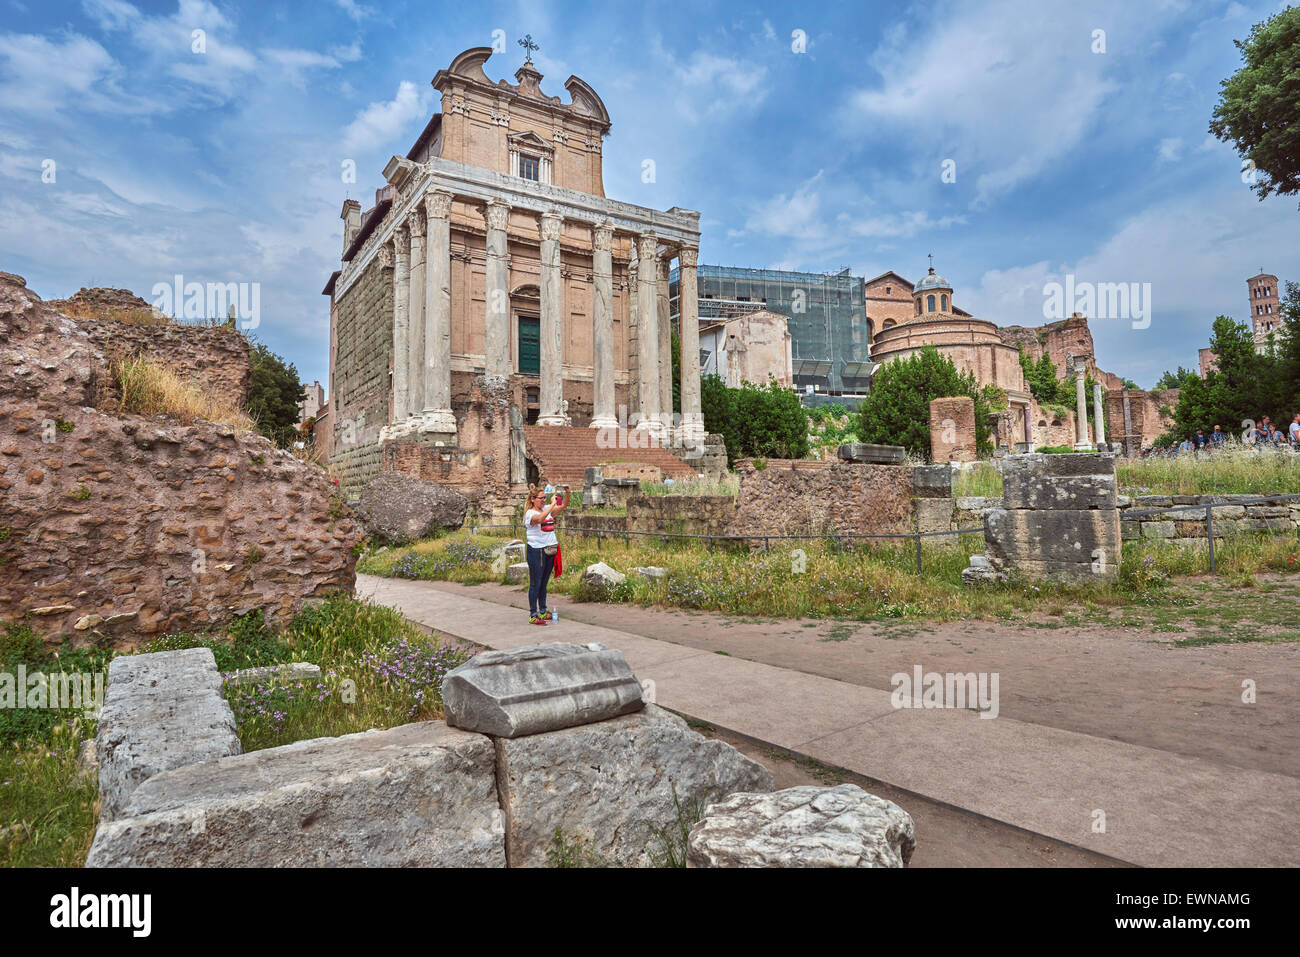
(226, 166)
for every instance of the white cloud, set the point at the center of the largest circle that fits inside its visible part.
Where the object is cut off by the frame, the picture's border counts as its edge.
(354, 10)
(39, 75)
(382, 122)
(1170, 149)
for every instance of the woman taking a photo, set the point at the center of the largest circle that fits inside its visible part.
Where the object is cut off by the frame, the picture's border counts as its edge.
(539, 529)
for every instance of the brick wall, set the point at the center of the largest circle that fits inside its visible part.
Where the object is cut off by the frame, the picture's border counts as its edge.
(361, 376)
(810, 497)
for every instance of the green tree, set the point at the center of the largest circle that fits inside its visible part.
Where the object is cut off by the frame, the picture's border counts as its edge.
(274, 395)
(897, 410)
(1259, 105)
(1175, 380)
(718, 407)
(1238, 390)
(770, 421)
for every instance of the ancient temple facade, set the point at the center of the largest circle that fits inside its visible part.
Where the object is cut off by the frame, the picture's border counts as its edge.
(493, 290)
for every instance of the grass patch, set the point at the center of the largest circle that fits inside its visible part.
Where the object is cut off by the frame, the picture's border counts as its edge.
(148, 388)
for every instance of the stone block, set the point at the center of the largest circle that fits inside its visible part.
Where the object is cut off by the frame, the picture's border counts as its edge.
(873, 454)
(952, 430)
(611, 784)
(601, 577)
(932, 481)
(420, 795)
(1268, 511)
(397, 508)
(1158, 530)
(1035, 542)
(651, 573)
(1026, 483)
(807, 826)
(1154, 501)
(161, 711)
(517, 572)
(539, 688)
(934, 515)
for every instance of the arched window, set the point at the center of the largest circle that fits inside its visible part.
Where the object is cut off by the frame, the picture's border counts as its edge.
(918, 306)
(889, 323)
(943, 303)
(929, 303)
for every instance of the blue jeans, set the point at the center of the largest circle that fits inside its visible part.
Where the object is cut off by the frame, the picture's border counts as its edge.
(540, 565)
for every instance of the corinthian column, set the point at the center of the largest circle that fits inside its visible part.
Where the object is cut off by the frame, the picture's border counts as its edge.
(436, 417)
(689, 316)
(1081, 406)
(496, 333)
(551, 394)
(401, 319)
(1098, 424)
(602, 327)
(665, 332)
(647, 336)
(415, 315)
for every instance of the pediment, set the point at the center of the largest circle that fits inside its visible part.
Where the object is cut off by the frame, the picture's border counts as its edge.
(527, 139)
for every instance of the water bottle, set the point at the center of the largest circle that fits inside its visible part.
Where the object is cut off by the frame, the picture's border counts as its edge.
(555, 615)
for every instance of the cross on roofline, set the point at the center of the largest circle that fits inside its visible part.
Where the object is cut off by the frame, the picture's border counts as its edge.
(529, 46)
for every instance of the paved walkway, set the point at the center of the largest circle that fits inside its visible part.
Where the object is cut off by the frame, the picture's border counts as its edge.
(1160, 809)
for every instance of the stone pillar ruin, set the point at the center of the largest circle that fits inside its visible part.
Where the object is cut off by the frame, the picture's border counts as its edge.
(1098, 414)
(689, 316)
(551, 394)
(496, 338)
(952, 430)
(602, 318)
(647, 290)
(1081, 406)
(436, 417)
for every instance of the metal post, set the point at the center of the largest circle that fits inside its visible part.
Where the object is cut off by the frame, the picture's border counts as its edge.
(918, 553)
(598, 539)
(1209, 533)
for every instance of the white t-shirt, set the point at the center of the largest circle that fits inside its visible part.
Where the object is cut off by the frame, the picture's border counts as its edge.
(536, 537)
(1295, 431)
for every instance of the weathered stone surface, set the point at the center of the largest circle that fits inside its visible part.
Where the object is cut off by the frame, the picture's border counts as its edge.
(539, 688)
(1158, 530)
(934, 515)
(952, 429)
(517, 572)
(651, 573)
(87, 761)
(1024, 539)
(872, 454)
(417, 795)
(279, 674)
(804, 497)
(611, 784)
(840, 826)
(932, 481)
(161, 711)
(397, 508)
(601, 577)
(1044, 482)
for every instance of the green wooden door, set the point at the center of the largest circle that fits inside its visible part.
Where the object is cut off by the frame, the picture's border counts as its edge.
(530, 346)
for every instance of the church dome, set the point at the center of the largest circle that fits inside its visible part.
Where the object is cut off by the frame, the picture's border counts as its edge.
(932, 281)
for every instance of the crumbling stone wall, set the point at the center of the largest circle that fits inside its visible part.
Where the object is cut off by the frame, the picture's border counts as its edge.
(361, 376)
(810, 497)
(682, 514)
(1059, 521)
(952, 430)
(1154, 517)
(1133, 417)
(127, 526)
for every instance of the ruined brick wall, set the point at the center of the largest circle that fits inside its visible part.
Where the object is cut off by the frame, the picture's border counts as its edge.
(811, 497)
(952, 430)
(126, 526)
(216, 358)
(363, 361)
(1060, 339)
(1145, 422)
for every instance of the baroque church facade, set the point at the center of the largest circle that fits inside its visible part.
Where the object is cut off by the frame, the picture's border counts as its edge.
(493, 291)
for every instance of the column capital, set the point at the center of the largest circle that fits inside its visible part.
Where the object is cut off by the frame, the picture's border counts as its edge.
(663, 266)
(688, 256)
(551, 223)
(496, 213)
(401, 238)
(647, 247)
(437, 203)
(415, 223)
(602, 234)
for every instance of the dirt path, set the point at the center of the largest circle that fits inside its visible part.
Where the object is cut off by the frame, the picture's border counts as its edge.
(1128, 683)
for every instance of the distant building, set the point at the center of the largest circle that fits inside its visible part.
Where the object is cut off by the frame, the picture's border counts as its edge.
(750, 348)
(1265, 308)
(830, 339)
(310, 407)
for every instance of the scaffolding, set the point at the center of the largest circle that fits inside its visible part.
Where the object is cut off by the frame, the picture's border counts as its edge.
(826, 315)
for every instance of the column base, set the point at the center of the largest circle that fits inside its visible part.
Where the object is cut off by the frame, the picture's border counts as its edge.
(1084, 447)
(438, 425)
(604, 422)
(552, 420)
